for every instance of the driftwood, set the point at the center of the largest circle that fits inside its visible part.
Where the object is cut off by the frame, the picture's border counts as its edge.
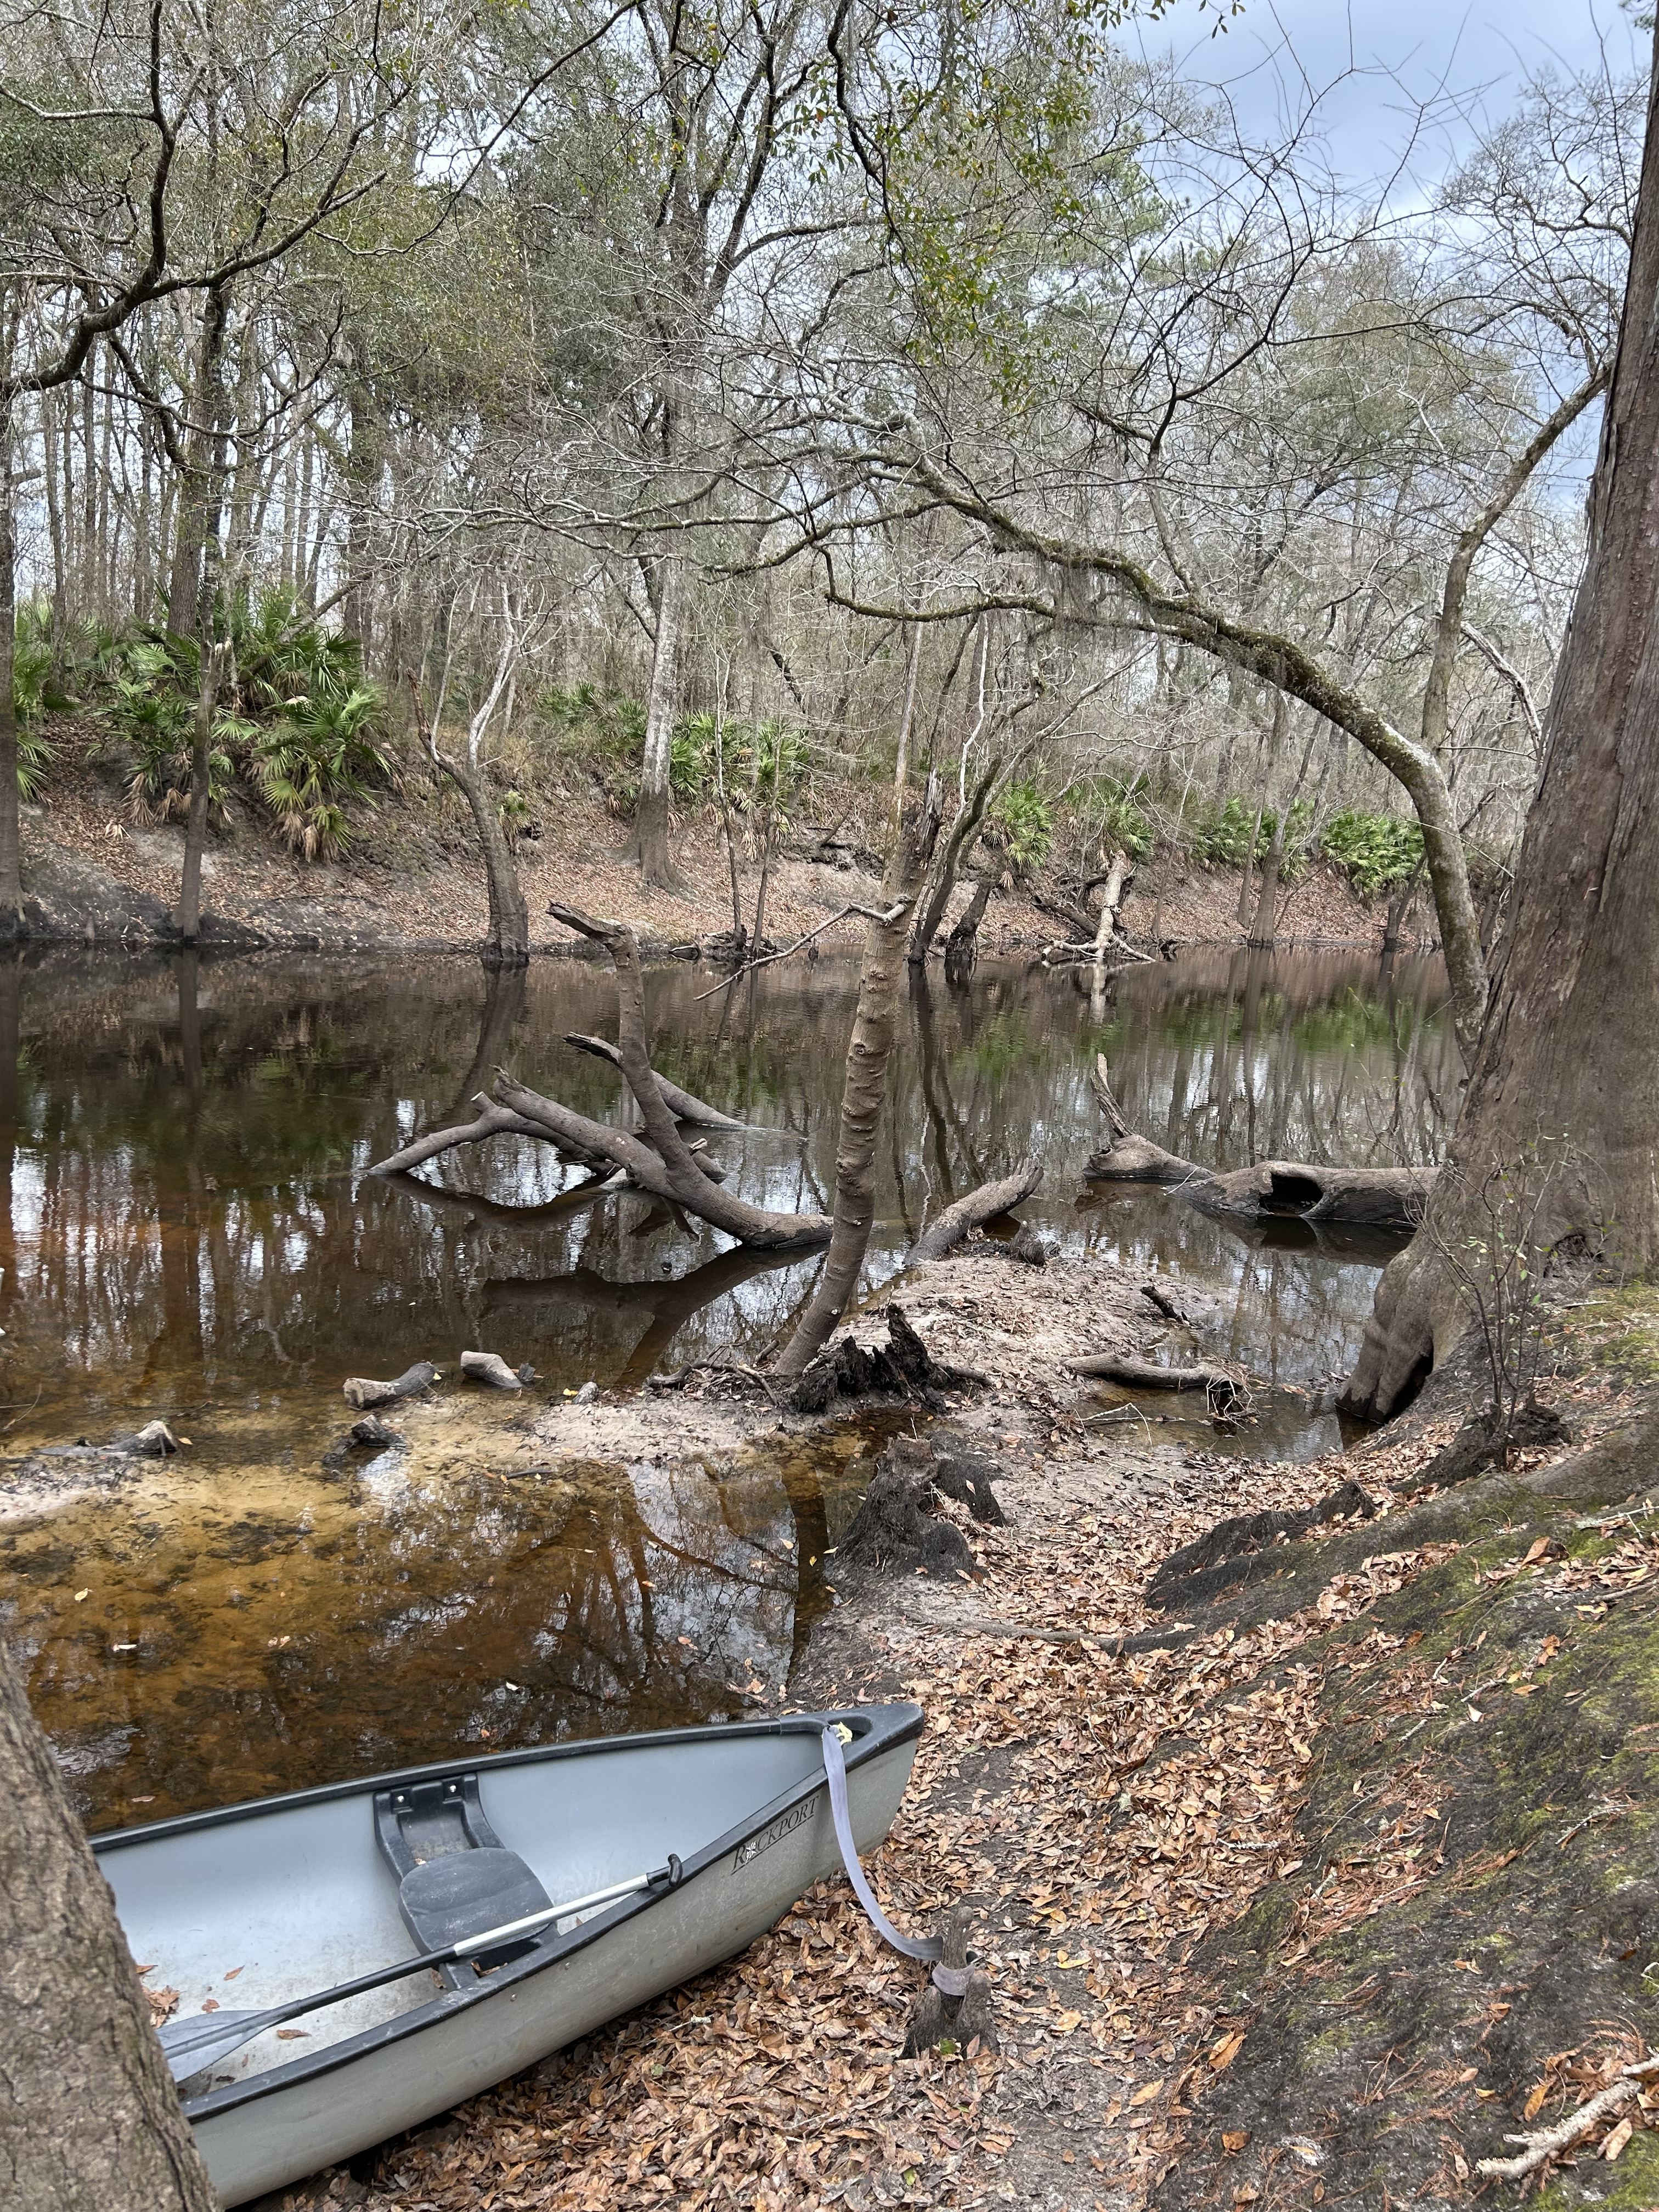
(1390, 1199)
(465, 1206)
(1147, 1375)
(680, 1103)
(1134, 1158)
(665, 1165)
(490, 1367)
(494, 1120)
(361, 1391)
(981, 1205)
(156, 1440)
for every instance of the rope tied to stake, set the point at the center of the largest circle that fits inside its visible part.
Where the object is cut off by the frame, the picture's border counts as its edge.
(951, 1980)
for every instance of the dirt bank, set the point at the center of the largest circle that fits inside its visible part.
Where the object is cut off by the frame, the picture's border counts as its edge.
(413, 879)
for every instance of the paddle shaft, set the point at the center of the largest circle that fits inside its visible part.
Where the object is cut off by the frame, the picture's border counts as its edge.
(203, 2041)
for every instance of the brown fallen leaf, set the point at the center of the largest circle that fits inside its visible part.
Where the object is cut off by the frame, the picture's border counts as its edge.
(1616, 2142)
(1235, 2139)
(163, 2003)
(292, 2034)
(1534, 2103)
(233, 1973)
(210, 2004)
(1147, 2092)
(1227, 2050)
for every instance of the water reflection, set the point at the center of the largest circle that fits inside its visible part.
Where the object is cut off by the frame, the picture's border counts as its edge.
(186, 1229)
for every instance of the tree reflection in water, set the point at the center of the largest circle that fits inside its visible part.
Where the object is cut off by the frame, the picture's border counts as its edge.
(185, 1230)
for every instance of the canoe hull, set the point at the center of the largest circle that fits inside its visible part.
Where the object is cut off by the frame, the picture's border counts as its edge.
(298, 2120)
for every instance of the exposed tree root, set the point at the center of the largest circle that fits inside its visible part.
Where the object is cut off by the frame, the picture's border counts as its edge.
(1218, 1558)
(902, 1368)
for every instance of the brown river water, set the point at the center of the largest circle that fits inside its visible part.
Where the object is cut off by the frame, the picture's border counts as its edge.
(186, 1232)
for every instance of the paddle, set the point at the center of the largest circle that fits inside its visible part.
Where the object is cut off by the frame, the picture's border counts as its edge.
(199, 2041)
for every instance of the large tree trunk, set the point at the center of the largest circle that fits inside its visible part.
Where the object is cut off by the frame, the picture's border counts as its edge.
(657, 869)
(90, 2120)
(1565, 1079)
(11, 880)
(868, 1052)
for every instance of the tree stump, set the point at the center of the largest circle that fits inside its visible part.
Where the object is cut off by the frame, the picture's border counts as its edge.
(965, 2023)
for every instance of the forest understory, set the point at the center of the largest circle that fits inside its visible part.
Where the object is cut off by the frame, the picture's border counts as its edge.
(1307, 1883)
(413, 876)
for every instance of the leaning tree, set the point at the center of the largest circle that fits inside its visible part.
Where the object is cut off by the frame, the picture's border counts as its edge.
(89, 2120)
(1564, 1084)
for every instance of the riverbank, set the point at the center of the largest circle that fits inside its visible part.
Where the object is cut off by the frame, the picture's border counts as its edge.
(412, 880)
(1309, 1891)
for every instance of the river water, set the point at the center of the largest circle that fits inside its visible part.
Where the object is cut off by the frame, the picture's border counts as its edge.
(186, 1231)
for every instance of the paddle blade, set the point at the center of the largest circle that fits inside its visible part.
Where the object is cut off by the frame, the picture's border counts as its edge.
(201, 2039)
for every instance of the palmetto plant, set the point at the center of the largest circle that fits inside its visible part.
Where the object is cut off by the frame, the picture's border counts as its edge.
(283, 655)
(154, 712)
(318, 757)
(31, 668)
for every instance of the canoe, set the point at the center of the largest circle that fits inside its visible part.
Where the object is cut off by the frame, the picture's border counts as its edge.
(291, 1895)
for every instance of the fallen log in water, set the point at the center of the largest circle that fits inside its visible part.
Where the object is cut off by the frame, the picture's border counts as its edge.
(981, 1205)
(682, 1104)
(362, 1391)
(494, 1120)
(490, 1367)
(1370, 1198)
(1146, 1374)
(1390, 1198)
(664, 1166)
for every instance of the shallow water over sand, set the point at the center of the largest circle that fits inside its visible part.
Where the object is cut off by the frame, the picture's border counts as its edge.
(187, 1232)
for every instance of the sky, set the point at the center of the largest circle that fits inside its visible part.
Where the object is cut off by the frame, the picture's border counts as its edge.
(1399, 52)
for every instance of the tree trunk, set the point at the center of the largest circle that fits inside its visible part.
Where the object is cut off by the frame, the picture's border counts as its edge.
(200, 521)
(187, 917)
(507, 945)
(90, 2120)
(197, 496)
(11, 880)
(962, 946)
(963, 832)
(1263, 927)
(1564, 1078)
(365, 465)
(867, 1055)
(657, 869)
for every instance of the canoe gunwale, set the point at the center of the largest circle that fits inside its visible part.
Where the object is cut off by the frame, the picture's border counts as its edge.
(876, 1731)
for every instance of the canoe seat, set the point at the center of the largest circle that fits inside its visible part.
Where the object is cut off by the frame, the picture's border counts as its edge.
(455, 1878)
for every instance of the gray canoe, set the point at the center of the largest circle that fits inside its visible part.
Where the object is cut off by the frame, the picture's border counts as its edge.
(296, 1894)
